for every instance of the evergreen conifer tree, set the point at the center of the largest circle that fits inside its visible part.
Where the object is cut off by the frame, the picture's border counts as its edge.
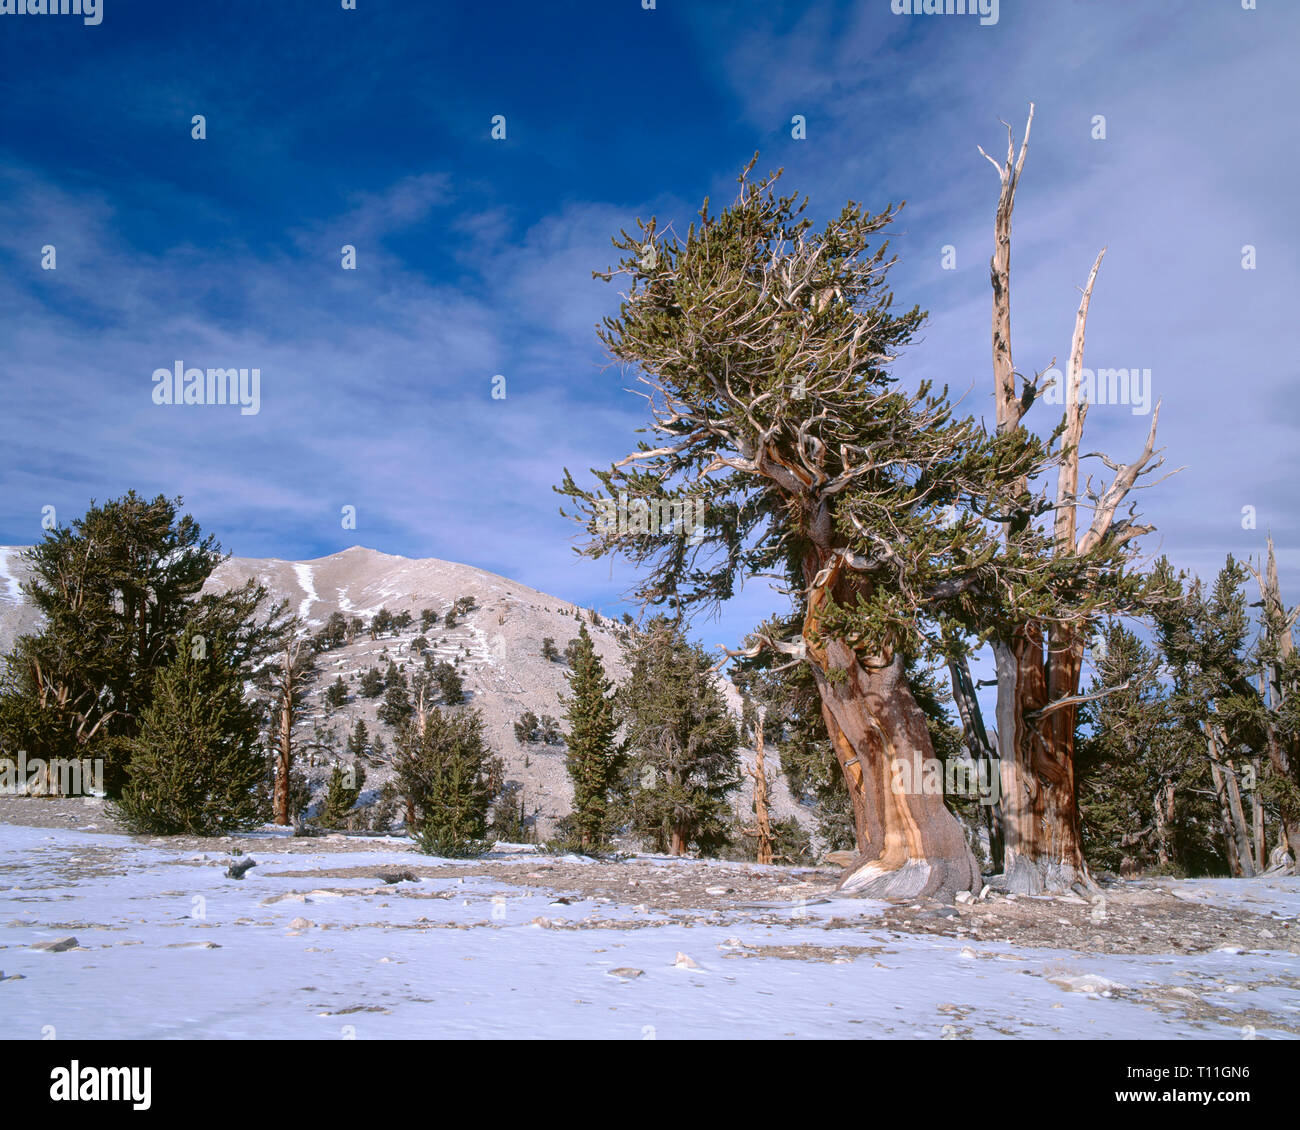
(683, 742)
(442, 770)
(195, 767)
(594, 758)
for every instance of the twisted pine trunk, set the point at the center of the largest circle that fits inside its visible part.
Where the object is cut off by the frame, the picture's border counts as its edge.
(908, 843)
(1043, 847)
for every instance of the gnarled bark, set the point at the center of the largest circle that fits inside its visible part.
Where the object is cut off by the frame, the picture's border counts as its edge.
(908, 843)
(1042, 846)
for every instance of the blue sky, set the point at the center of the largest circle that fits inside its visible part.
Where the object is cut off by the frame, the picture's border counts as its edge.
(372, 128)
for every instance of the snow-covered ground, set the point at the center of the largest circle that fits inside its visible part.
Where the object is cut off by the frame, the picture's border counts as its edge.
(168, 946)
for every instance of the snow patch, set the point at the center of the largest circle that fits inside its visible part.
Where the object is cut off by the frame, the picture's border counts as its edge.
(306, 582)
(11, 594)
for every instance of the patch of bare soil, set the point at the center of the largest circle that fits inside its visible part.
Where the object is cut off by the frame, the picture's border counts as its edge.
(1127, 917)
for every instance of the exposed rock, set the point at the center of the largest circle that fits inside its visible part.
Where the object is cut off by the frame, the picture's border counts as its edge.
(57, 946)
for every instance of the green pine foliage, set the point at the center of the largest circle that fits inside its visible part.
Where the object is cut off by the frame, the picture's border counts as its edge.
(196, 767)
(682, 740)
(444, 771)
(594, 758)
(396, 709)
(450, 684)
(372, 683)
(117, 590)
(359, 739)
(334, 634)
(1145, 793)
(336, 694)
(341, 795)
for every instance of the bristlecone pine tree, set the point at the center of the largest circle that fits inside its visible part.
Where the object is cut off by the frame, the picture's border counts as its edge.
(442, 770)
(764, 347)
(1039, 657)
(593, 759)
(196, 767)
(286, 683)
(683, 742)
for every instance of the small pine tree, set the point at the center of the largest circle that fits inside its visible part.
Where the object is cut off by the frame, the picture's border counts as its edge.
(372, 683)
(396, 709)
(333, 634)
(359, 739)
(450, 684)
(443, 772)
(549, 650)
(594, 759)
(341, 795)
(336, 694)
(683, 739)
(428, 619)
(527, 729)
(195, 767)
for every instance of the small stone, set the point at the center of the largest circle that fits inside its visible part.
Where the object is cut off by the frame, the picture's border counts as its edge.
(301, 924)
(684, 961)
(626, 972)
(58, 946)
(1089, 983)
(237, 869)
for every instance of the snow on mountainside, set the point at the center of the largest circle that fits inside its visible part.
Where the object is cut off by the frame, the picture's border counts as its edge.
(497, 648)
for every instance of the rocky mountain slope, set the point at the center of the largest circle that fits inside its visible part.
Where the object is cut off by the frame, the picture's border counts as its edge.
(496, 648)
